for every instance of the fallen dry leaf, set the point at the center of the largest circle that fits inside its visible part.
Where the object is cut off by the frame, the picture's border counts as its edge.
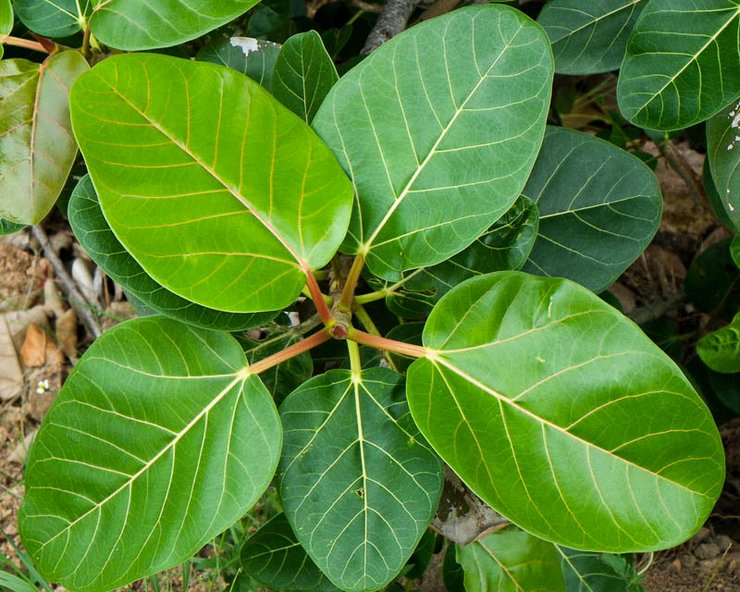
(11, 374)
(67, 333)
(33, 350)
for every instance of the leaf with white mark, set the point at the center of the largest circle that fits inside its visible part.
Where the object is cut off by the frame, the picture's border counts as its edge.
(723, 156)
(252, 57)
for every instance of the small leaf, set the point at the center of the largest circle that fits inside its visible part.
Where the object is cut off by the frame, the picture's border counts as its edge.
(134, 25)
(53, 18)
(592, 572)
(358, 484)
(599, 209)
(563, 416)
(720, 350)
(723, 155)
(252, 57)
(276, 559)
(91, 229)
(219, 192)
(6, 21)
(439, 136)
(10, 227)
(510, 560)
(38, 147)
(304, 74)
(159, 440)
(713, 281)
(589, 38)
(682, 64)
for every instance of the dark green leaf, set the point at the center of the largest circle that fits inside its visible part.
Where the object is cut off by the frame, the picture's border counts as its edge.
(720, 350)
(452, 572)
(419, 560)
(595, 572)
(563, 416)
(54, 18)
(252, 57)
(439, 135)
(599, 208)
(720, 206)
(10, 227)
(358, 484)
(735, 250)
(723, 155)
(713, 281)
(160, 439)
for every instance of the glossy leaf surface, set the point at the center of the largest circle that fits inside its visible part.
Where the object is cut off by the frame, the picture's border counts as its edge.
(36, 139)
(510, 561)
(720, 350)
(682, 64)
(599, 209)
(588, 38)
(53, 18)
(563, 416)
(723, 155)
(439, 136)
(252, 57)
(276, 559)
(597, 572)
(358, 484)
(9, 227)
(147, 24)
(219, 192)
(91, 229)
(6, 20)
(158, 441)
(304, 74)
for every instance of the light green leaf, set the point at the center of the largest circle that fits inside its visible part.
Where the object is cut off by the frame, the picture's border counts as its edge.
(252, 57)
(35, 134)
(274, 557)
(6, 21)
(9, 227)
(358, 484)
(720, 350)
(599, 209)
(219, 192)
(591, 572)
(682, 64)
(590, 37)
(91, 229)
(438, 134)
(304, 74)
(510, 560)
(147, 24)
(563, 416)
(159, 440)
(54, 18)
(723, 155)
(15, 584)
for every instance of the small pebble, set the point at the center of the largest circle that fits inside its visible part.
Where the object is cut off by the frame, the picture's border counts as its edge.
(707, 551)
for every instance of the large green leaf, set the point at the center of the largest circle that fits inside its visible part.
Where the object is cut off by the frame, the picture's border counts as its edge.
(599, 209)
(54, 18)
(597, 572)
(563, 416)
(358, 484)
(94, 234)
(304, 74)
(276, 559)
(589, 37)
(720, 350)
(252, 57)
(159, 440)
(36, 142)
(723, 155)
(147, 24)
(439, 135)
(682, 64)
(510, 561)
(219, 192)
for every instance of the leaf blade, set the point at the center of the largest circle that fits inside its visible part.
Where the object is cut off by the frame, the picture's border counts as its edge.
(723, 155)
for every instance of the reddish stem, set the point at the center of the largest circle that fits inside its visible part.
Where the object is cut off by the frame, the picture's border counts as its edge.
(405, 349)
(26, 43)
(318, 298)
(302, 346)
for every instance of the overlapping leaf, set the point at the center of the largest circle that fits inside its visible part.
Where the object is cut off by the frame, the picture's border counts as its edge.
(682, 64)
(9, 227)
(6, 21)
(94, 234)
(36, 139)
(599, 209)
(304, 74)
(158, 441)
(219, 192)
(597, 572)
(590, 37)
(252, 57)
(713, 281)
(54, 18)
(563, 416)
(438, 134)
(358, 484)
(720, 350)
(723, 155)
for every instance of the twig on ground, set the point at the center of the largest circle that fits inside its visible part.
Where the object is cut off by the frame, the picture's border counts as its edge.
(679, 164)
(81, 306)
(391, 22)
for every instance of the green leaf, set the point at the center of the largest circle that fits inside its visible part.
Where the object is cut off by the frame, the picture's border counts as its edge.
(15, 584)
(304, 74)
(134, 25)
(720, 350)
(252, 57)
(723, 155)
(591, 572)
(589, 38)
(159, 440)
(9, 227)
(439, 136)
(735, 250)
(563, 416)
(720, 206)
(682, 64)
(276, 559)
(6, 20)
(358, 484)
(91, 229)
(219, 192)
(53, 18)
(599, 209)
(38, 147)
(713, 281)
(510, 560)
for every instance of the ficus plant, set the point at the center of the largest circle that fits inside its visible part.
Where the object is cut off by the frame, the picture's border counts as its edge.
(424, 187)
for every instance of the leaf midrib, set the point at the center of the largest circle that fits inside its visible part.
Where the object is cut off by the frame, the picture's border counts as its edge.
(593, 21)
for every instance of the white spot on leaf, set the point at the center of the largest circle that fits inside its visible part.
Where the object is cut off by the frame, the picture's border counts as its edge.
(246, 44)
